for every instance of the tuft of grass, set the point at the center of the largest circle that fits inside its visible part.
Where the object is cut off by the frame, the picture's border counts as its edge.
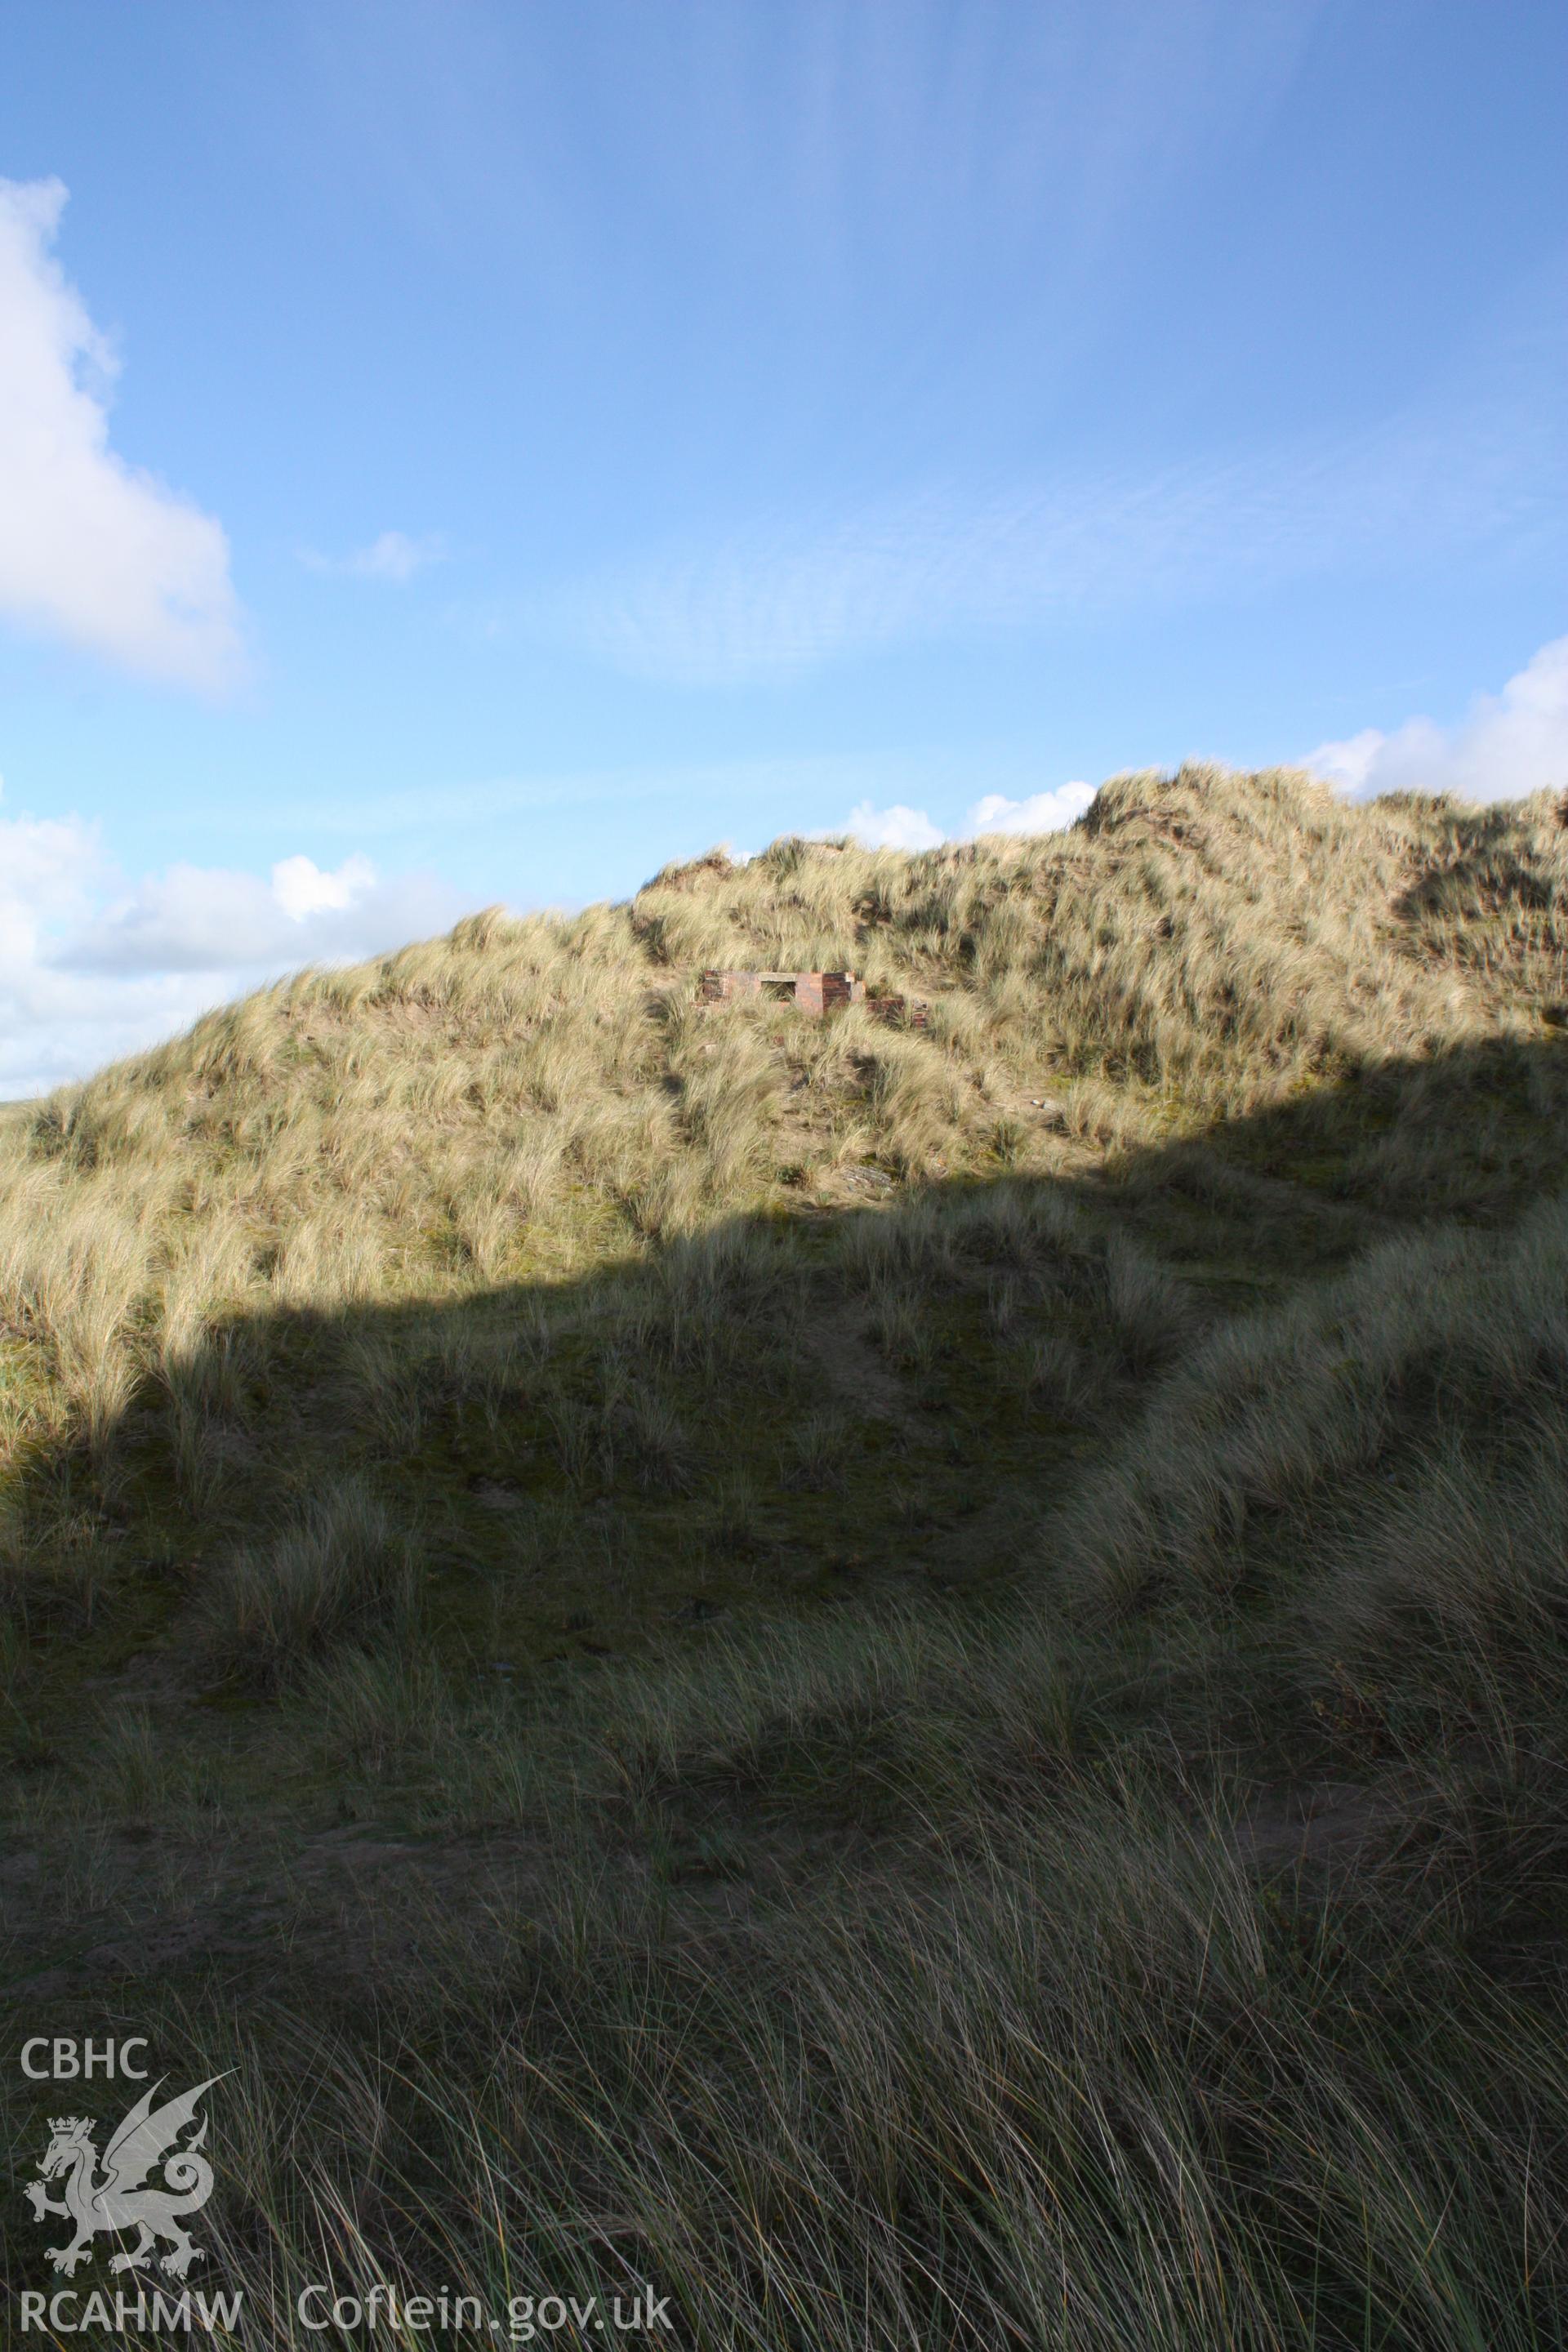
(1060, 1376)
(337, 1566)
(819, 1451)
(370, 1711)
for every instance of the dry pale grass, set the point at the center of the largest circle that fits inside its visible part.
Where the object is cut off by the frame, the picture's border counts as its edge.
(1491, 895)
(891, 1974)
(486, 1105)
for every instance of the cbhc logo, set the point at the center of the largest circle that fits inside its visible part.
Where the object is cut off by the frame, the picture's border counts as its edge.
(69, 2061)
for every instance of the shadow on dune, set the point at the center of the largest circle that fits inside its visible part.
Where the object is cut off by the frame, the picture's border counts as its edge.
(773, 1412)
(450, 1521)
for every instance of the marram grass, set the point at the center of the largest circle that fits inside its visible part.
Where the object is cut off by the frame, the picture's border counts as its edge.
(901, 1686)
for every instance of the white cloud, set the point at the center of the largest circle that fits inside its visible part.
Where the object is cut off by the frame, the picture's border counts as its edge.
(1507, 744)
(894, 828)
(90, 969)
(302, 889)
(211, 918)
(393, 556)
(47, 870)
(1350, 764)
(1041, 813)
(91, 548)
(899, 828)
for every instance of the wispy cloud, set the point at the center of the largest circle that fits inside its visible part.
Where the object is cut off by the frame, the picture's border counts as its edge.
(91, 548)
(394, 556)
(1506, 745)
(946, 562)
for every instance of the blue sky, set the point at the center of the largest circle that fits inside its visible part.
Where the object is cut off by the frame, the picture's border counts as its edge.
(465, 452)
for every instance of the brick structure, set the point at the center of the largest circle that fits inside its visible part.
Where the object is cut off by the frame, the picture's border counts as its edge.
(899, 1012)
(811, 991)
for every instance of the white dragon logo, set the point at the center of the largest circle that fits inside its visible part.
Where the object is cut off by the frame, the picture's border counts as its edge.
(116, 2199)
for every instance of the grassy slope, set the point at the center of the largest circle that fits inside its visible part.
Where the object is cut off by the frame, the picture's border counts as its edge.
(965, 1622)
